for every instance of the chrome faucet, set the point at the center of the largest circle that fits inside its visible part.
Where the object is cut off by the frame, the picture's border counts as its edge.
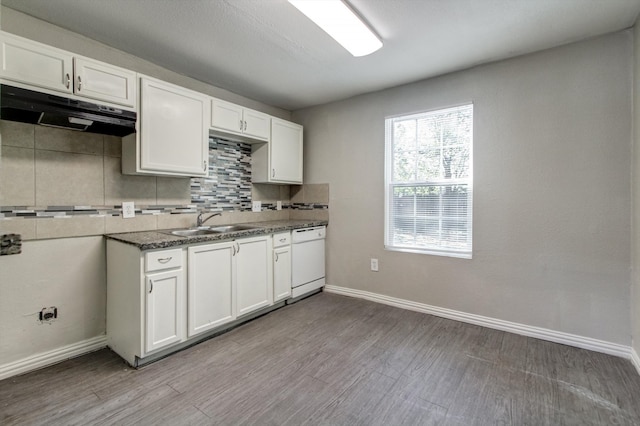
(200, 220)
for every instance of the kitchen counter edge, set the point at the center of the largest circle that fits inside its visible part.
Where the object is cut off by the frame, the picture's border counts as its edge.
(157, 239)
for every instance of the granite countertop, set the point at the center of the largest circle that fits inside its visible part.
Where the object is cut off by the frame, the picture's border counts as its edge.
(149, 240)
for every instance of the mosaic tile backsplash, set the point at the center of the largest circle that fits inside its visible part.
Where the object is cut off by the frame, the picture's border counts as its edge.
(26, 152)
(228, 186)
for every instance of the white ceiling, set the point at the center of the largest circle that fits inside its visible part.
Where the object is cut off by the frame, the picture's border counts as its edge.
(268, 51)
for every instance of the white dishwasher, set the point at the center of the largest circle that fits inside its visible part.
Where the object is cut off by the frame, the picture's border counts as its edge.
(307, 260)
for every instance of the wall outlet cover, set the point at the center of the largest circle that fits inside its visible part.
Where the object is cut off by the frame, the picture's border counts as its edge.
(256, 206)
(278, 205)
(128, 209)
(374, 265)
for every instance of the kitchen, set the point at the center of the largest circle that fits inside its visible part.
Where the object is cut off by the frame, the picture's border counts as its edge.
(534, 262)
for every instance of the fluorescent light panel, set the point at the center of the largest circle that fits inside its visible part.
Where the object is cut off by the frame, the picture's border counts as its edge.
(341, 23)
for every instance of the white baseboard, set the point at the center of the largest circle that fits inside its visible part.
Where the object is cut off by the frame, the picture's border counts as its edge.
(51, 357)
(512, 327)
(635, 360)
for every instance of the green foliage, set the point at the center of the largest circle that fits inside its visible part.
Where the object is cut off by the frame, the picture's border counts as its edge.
(432, 146)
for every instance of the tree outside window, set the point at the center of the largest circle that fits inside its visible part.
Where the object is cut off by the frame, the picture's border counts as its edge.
(429, 182)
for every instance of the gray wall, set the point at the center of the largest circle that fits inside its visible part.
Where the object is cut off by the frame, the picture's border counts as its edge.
(68, 273)
(552, 196)
(635, 290)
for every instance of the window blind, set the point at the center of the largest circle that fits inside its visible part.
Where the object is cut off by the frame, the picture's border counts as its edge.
(428, 182)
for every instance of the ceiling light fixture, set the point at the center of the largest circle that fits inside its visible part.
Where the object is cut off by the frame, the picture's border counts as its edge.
(341, 23)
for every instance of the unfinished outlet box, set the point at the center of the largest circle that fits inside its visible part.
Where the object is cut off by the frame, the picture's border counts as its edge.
(48, 314)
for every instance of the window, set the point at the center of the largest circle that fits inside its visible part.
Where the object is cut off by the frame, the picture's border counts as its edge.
(428, 182)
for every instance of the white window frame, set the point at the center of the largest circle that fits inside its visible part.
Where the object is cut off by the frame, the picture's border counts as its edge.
(389, 187)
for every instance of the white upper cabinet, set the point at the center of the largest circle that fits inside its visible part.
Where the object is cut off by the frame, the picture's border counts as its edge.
(33, 63)
(39, 66)
(228, 118)
(104, 82)
(279, 161)
(173, 132)
(257, 124)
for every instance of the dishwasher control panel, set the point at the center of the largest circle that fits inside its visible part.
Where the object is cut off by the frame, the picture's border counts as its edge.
(309, 234)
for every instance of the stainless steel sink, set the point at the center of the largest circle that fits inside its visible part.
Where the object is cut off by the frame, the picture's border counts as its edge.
(191, 232)
(209, 231)
(231, 228)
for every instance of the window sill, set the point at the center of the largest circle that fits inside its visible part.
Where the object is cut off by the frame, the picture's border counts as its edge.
(455, 254)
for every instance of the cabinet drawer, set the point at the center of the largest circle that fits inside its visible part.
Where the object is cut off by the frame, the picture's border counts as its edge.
(165, 259)
(282, 239)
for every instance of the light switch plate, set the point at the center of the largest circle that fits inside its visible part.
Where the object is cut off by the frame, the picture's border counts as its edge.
(128, 210)
(278, 205)
(256, 206)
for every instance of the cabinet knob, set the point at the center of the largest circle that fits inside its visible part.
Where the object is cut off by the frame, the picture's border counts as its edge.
(151, 286)
(165, 259)
(245, 125)
(273, 172)
(79, 83)
(240, 125)
(276, 257)
(68, 80)
(204, 165)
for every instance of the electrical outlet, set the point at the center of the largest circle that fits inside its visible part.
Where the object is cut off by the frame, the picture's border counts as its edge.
(374, 265)
(48, 314)
(256, 206)
(278, 205)
(128, 209)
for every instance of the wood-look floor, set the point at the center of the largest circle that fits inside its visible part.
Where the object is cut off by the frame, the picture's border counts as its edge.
(337, 361)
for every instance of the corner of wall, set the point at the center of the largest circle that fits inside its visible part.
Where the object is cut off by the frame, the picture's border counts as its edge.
(635, 185)
(635, 359)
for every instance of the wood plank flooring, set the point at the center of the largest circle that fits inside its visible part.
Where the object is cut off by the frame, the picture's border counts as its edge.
(333, 360)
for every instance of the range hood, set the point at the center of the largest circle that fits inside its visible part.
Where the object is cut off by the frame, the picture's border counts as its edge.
(28, 106)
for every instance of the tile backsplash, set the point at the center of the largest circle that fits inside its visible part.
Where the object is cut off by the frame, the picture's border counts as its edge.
(49, 174)
(228, 186)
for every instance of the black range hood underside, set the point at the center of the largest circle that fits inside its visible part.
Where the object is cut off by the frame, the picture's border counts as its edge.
(28, 106)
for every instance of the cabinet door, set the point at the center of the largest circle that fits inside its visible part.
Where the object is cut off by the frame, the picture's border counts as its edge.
(254, 274)
(174, 133)
(285, 152)
(257, 124)
(104, 82)
(164, 309)
(226, 116)
(35, 64)
(210, 287)
(281, 273)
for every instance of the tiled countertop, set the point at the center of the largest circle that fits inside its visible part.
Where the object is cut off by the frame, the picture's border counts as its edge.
(149, 240)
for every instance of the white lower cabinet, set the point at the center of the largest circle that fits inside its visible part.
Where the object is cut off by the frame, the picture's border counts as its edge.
(146, 300)
(159, 299)
(164, 309)
(210, 286)
(254, 274)
(281, 266)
